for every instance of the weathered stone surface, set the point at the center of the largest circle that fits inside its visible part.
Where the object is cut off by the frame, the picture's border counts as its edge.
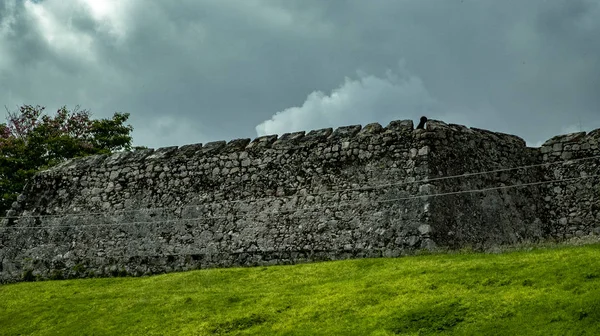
(372, 128)
(318, 134)
(572, 137)
(289, 139)
(189, 150)
(214, 146)
(345, 132)
(400, 126)
(482, 219)
(434, 125)
(237, 145)
(263, 141)
(326, 195)
(576, 200)
(158, 154)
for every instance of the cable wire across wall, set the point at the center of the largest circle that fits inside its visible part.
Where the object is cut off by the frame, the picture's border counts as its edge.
(291, 211)
(361, 188)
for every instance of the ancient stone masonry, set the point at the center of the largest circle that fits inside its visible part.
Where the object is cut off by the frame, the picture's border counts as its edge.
(350, 193)
(572, 207)
(478, 219)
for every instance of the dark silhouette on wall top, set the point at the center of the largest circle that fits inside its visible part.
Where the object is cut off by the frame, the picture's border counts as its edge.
(422, 123)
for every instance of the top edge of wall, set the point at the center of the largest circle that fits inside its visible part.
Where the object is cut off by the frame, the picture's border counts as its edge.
(577, 137)
(434, 128)
(285, 141)
(441, 127)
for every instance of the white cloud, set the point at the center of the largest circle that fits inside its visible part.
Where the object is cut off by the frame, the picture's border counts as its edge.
(111, 16)
(357, 101)
(58, 36)
(54, 22)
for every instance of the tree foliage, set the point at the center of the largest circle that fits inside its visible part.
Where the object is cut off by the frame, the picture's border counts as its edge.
(30, 142)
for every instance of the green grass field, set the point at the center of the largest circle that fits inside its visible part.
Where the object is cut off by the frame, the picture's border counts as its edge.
(554, 291)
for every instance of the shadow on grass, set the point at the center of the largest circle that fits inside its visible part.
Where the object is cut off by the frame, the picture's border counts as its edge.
(433, 319)
(238, 324)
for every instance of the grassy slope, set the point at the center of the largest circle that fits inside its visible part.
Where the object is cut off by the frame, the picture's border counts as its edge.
(541, 292)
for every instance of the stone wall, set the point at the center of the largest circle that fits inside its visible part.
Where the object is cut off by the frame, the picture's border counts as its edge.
(349, 193)
(572, 207)
(296, 198)
(499, 213)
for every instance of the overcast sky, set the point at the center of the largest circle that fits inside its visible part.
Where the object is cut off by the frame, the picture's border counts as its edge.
(194, 71)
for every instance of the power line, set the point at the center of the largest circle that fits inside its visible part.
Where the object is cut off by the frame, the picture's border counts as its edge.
(313, 208)
(498, 188)
(362, 188)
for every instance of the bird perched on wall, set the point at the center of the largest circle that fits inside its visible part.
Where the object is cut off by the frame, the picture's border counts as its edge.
(422, 123)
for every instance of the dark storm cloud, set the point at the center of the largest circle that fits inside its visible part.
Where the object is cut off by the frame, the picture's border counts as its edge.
(569, 33)
(196, 71)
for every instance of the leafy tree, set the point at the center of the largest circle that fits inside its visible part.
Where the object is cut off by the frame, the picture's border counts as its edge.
(31, 142)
